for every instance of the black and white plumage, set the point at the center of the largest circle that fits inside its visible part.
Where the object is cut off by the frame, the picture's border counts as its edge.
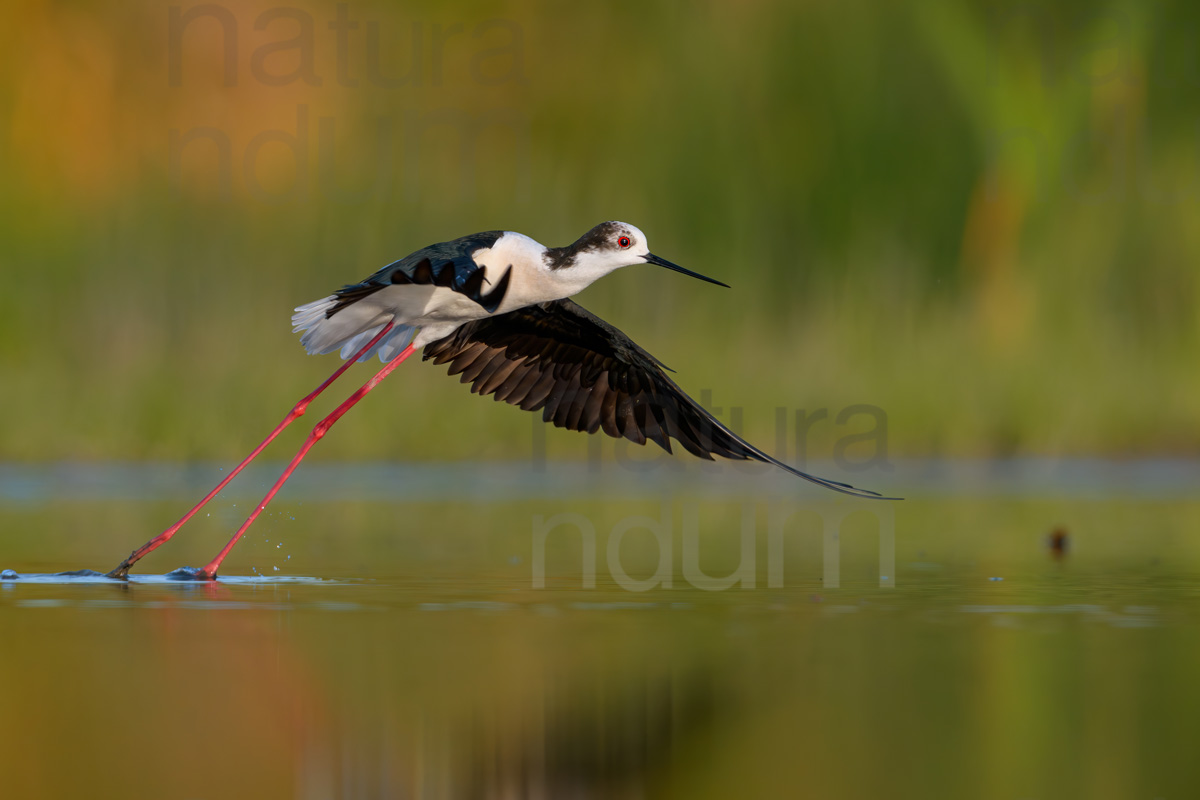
(524, 342)
(429, 293)
(448, 265)
(494, 306)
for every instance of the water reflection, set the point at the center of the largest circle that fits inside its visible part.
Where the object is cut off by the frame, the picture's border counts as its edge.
(368, 690)
(435, 669)
(585, 734)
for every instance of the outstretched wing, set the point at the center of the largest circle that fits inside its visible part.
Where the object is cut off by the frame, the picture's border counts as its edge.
(585, 375)
(450, 265)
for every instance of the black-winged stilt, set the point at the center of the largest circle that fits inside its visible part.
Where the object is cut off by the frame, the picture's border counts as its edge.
(494, 306)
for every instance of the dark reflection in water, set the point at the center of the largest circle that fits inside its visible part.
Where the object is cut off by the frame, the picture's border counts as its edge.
(510, 722)
(615, 735)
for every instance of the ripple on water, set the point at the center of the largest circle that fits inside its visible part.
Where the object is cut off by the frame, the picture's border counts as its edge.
(181, 575)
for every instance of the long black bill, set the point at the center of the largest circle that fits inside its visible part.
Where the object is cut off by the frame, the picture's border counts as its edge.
(662, 262)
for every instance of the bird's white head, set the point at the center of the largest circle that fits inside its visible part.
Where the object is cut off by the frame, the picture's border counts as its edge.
(604, 249)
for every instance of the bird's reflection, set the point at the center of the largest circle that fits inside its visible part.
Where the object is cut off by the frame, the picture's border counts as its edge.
(607, 734)
(613, 735)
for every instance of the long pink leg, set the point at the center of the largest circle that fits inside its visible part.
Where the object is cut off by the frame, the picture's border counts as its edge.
(320, 430)
(122, 570)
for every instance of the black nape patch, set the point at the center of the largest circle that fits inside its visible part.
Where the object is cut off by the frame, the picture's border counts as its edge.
(598, 238)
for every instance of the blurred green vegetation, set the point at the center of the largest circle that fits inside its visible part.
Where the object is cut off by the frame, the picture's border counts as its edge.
(982, 220)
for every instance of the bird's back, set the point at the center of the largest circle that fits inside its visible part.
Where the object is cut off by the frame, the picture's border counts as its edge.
(347, 319)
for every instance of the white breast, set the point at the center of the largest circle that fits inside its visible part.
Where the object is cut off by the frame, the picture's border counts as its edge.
(531, 282)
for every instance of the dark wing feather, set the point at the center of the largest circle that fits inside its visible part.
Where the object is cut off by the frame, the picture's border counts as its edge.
(447, 264)
(585, 375)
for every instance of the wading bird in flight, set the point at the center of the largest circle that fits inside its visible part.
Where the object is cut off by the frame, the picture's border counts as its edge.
(495, 307)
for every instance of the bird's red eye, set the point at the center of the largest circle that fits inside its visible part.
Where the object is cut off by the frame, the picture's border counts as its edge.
(624, 241)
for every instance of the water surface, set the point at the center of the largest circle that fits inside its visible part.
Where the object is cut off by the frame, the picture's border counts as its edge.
(406, 644)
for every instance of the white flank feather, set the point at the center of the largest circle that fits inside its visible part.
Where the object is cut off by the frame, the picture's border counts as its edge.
(348, 331)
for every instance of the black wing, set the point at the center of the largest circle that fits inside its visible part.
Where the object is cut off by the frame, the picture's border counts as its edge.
(447, 264)
(586, 375)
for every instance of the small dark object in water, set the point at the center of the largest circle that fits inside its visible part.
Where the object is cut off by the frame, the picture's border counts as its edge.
(9, 575)
(187, 574)
(1058, 542)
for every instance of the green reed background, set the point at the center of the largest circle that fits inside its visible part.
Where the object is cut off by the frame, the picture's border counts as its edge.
(983, 220)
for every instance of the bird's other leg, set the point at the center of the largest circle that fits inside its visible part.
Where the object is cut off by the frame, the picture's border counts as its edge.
(210, 571)
(122, 569)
